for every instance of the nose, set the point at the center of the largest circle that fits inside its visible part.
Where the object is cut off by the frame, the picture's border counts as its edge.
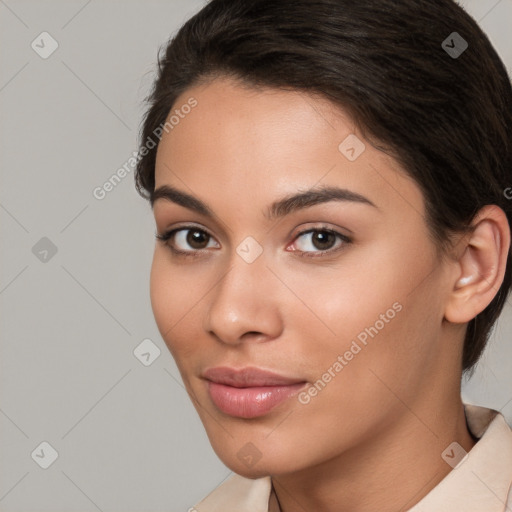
(243, 305)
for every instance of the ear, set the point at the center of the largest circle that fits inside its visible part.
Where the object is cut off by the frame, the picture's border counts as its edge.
(480, 266)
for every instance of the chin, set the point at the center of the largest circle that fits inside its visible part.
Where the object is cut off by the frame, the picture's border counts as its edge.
(253, 474)
(251, 464)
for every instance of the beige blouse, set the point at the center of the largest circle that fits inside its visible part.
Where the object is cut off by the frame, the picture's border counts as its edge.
(481, 483)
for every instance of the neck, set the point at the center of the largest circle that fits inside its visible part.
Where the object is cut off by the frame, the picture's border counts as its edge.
(406, 452)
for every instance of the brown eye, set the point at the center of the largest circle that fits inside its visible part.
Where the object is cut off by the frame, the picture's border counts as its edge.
(315, 242)
(188, 240)
(197, 239)
(192, 239)
(323, 240)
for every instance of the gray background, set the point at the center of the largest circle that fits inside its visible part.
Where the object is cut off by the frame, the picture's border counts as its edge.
(127, 436)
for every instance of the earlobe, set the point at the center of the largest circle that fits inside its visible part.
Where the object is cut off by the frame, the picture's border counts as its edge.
(481, 265)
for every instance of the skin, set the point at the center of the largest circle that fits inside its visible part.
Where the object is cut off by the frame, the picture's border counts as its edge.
(395, 407)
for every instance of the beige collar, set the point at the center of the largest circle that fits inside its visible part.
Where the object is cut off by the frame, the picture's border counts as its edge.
(482, 482)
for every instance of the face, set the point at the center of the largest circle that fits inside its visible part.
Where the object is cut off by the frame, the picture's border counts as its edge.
(290, 320)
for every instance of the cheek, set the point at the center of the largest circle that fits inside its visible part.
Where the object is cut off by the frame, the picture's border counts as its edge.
(160, 286)
(369, 307)
(341, 301)
(174, 299)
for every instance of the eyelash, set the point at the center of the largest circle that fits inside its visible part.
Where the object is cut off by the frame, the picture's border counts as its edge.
(165, 237)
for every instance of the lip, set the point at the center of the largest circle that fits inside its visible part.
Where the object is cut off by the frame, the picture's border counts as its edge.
(249, 392)
(247, 377)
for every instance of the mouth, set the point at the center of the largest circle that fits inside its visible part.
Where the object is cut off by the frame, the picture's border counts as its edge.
(249, 392)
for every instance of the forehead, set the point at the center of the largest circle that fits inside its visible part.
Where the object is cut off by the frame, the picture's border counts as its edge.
(234, 123)
(240, 145)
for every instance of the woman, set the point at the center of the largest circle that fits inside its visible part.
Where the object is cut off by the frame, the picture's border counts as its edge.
(334, 248)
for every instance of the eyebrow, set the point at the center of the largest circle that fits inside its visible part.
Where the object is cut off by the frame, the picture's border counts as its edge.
(279, 208)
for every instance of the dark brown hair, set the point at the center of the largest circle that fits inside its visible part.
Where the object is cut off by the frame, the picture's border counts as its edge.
(445, 117)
